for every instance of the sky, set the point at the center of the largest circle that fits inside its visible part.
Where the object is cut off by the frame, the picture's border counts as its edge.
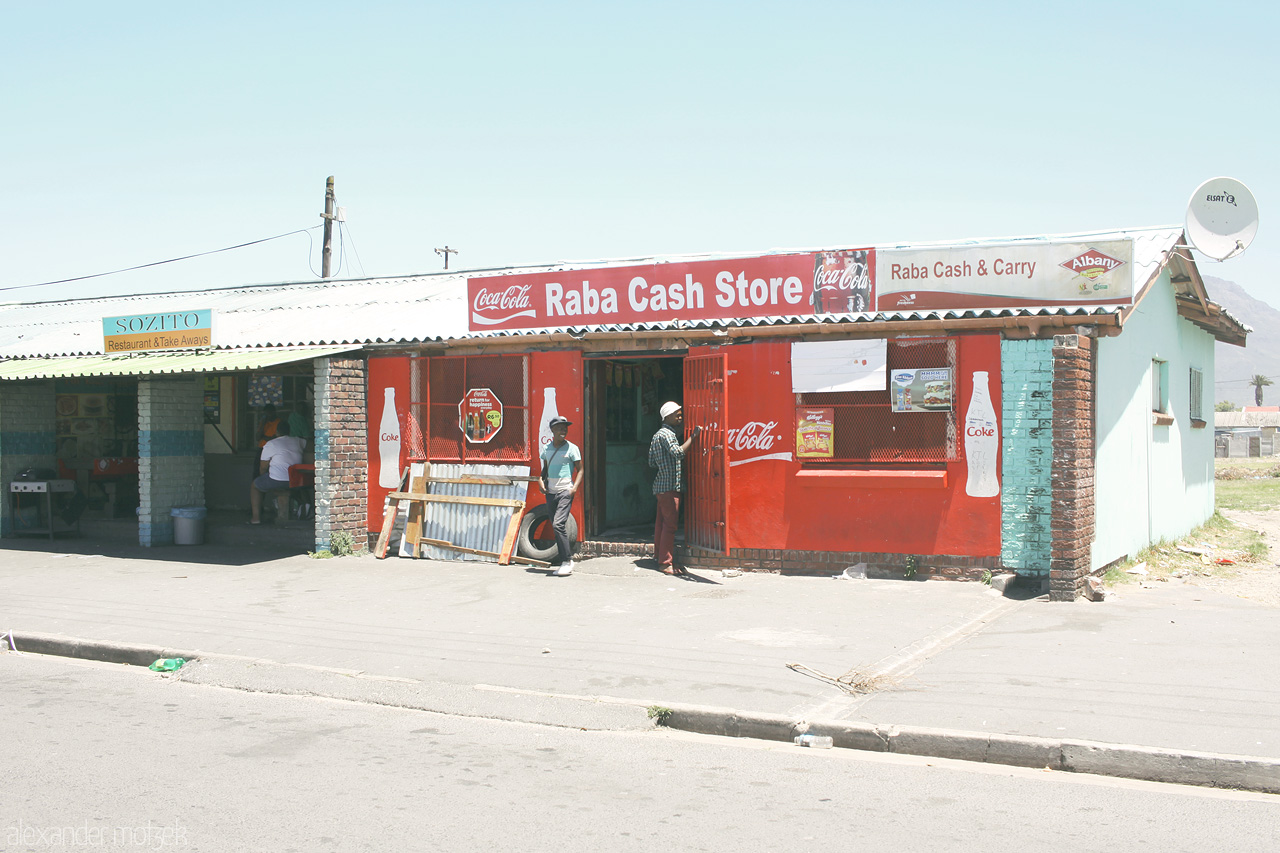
(523, 133)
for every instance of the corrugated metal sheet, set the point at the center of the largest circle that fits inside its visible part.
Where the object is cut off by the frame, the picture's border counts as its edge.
(469, 525)
(434, 307)
(145, 363)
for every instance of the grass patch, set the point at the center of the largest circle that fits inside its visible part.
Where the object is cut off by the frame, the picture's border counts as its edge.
(1247, 484)
(1221, 545)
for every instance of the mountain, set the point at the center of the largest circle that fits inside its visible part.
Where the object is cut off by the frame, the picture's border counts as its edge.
(1260, 355)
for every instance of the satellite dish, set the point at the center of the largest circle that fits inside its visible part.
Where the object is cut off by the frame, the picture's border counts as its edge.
(1222, 218)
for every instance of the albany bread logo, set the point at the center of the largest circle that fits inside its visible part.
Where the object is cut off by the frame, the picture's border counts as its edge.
(1092, 265)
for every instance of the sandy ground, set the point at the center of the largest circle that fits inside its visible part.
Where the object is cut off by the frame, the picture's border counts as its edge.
(1258, 581)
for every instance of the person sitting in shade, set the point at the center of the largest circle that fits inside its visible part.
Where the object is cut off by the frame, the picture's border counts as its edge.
(278, 455)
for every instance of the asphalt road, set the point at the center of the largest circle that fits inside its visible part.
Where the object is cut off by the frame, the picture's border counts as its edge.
(103, 756)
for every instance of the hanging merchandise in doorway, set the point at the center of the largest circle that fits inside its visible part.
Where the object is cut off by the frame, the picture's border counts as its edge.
(480, 415)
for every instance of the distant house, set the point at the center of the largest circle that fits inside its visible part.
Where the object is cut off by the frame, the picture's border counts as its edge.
(1251, 432)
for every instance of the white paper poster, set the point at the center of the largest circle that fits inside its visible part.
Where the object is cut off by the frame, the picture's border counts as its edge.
(828, 366)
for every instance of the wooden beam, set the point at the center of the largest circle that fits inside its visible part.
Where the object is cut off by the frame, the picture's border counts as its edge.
(440, 543)
(509, 541)
(484, 481)
(390, 508)
(454, 499)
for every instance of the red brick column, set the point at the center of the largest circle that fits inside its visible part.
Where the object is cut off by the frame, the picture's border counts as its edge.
(342, 463)
(1071, 477)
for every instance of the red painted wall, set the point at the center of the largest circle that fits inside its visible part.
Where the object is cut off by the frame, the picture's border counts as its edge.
(390, 372)
(563, 372)
(773, 503)
(560, 370)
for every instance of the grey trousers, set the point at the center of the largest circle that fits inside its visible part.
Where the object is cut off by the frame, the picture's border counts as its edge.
(558, 505)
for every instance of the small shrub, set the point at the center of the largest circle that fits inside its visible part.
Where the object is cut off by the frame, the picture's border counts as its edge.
(342, 544)
(659, 714)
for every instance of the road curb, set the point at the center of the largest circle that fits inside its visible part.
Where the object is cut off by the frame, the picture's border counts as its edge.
(1152, 764)
(1206, 769)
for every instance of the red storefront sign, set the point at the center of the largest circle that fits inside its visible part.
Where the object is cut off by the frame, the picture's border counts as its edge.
(765, 286)
(480, 415)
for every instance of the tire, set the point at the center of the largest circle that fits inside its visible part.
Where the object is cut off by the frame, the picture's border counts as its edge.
(537, 523)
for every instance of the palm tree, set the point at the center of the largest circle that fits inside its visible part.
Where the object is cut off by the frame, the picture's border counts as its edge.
(1258, 382)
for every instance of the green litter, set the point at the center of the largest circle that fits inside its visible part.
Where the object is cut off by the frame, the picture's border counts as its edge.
(167, 664)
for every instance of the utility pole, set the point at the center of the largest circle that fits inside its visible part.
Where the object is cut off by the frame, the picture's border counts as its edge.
(446, 251)
(327, 254)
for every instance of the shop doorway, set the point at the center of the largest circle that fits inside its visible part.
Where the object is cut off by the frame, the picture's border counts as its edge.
(621, 402)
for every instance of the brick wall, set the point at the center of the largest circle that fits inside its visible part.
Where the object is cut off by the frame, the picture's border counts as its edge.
(27, 436)
(1026, 456)
(342, 463)
(827, 563)
(1073, 460)
(170, 453)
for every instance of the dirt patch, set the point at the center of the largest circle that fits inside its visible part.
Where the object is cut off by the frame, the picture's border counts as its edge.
(1257, 580)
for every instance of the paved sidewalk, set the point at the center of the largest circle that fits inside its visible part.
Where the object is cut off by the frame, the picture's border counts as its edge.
(1180, 668)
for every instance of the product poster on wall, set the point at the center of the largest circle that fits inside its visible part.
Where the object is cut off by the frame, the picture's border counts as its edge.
(815, 433)
(480, 415)
(924, 390)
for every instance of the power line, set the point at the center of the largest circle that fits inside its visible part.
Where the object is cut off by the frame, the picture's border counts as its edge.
(159, 263)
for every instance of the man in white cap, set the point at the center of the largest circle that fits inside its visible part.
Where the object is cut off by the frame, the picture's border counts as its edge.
(561, 476)
(666, 454)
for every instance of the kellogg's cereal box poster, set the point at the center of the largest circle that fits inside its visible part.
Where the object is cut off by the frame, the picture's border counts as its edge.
(815, 433)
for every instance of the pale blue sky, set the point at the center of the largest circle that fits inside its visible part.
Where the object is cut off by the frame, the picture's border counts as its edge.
(530, 133)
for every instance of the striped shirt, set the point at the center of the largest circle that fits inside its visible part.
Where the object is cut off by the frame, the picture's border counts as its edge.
(666, 455)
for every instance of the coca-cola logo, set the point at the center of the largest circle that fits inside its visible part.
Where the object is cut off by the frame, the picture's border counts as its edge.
(979, 430)
(513, 301)
(390, 436)
(753, 435)
(852, 277)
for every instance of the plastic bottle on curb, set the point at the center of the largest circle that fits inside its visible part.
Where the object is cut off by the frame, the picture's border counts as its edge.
(981, 441)
(815, 741)
(389, 443)
(549, 411)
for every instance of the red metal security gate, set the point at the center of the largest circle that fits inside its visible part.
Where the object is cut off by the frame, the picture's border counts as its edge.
(706, 468)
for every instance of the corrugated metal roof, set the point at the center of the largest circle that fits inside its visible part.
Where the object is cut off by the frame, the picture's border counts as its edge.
(1230, 420)
(433, 307)
(144, 363)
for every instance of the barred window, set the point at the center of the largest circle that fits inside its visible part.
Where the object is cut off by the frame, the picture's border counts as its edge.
(1197, 395)
(868, 430)
(439, 384)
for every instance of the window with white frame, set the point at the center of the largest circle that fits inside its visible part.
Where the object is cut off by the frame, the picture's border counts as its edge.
(1159, 386)
(1197, 395)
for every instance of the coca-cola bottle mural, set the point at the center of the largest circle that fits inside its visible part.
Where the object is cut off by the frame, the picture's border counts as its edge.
(841, 282)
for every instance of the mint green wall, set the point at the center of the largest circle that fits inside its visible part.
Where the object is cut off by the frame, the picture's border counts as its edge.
(1026, 370)
(1151, 482)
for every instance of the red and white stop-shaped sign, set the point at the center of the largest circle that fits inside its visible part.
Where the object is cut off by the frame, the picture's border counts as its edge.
(480, 415)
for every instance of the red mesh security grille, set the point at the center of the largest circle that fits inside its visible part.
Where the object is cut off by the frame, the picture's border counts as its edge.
(440, 384)
(867, 430)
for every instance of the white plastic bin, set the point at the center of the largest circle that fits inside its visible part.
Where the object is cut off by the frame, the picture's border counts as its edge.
(188, 524)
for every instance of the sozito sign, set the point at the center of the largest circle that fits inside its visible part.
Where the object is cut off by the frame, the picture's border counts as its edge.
(176, 330)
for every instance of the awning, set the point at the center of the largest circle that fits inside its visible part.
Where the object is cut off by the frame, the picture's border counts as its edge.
(146, 363)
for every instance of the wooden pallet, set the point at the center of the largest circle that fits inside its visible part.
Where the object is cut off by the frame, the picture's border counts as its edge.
(418, 499)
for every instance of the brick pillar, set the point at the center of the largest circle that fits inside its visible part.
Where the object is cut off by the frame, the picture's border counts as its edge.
(1073, 461)
(170, 453)
(27, 436)
(342, 463)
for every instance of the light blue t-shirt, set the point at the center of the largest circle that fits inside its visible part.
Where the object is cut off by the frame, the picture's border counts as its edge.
(557, 464)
